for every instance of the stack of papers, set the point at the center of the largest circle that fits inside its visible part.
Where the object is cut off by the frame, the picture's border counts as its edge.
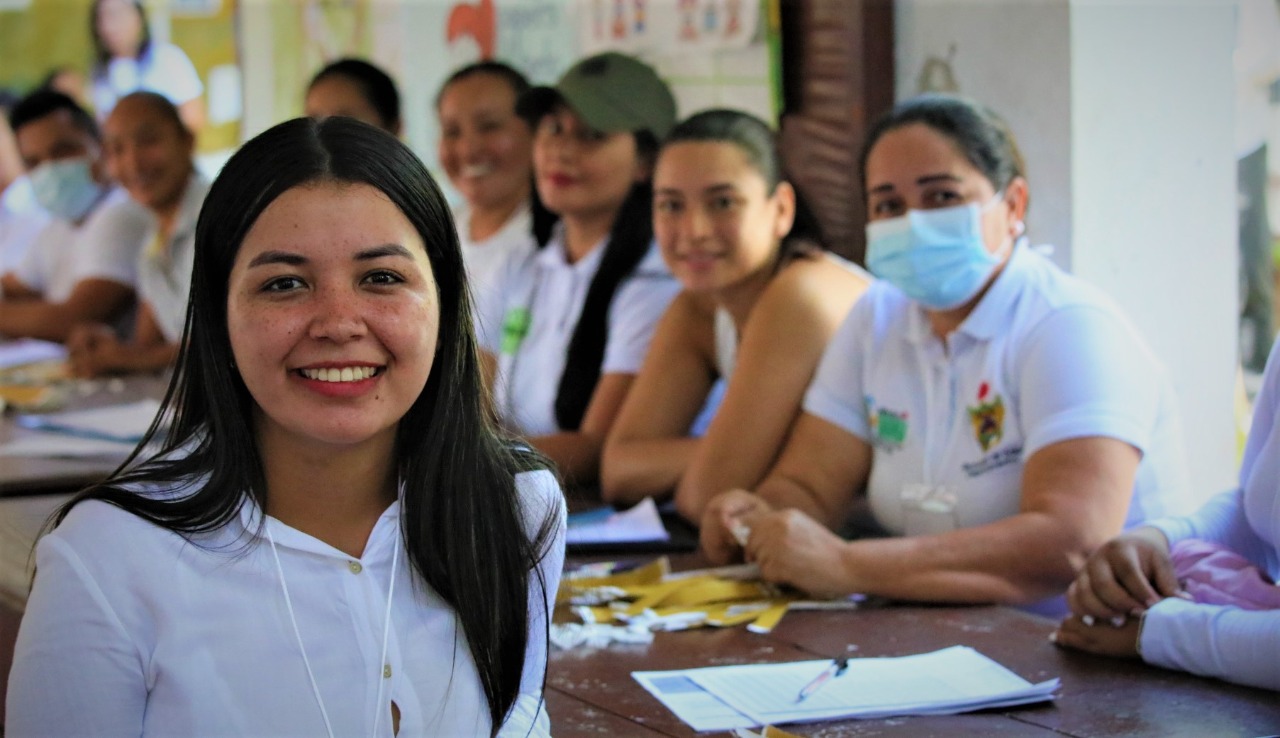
(25, 351)
(603, 525)
(953, 680)
(108, 431)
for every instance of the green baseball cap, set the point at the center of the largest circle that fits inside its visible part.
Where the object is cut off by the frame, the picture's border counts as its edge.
(611, 92)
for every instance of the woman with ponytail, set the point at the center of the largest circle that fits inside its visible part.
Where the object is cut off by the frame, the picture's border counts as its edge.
(567, 328)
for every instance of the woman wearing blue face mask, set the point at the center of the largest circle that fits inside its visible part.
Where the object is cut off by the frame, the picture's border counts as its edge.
(1001, 417)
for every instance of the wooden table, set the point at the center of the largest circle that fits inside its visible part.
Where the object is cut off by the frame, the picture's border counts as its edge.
(41, 475)
(590, 692)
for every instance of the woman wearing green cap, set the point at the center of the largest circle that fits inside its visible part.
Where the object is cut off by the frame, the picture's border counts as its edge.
(566, 330)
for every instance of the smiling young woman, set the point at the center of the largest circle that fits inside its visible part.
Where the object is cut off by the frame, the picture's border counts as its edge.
(761, 299)
(149, 151)
(305, 535)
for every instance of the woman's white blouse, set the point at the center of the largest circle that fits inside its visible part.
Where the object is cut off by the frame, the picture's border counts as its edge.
(131, 630)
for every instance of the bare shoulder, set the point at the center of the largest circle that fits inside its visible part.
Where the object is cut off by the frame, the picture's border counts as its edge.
(819, 284)
(689, 323)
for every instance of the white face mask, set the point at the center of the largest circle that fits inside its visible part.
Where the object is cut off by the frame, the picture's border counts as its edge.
(937, 257)
(66, 187)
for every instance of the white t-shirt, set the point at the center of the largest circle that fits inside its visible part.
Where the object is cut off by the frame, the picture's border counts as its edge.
(164, 273)
(133, 630)
(164, 69)
(486, 259)
(550, 292)
(21, 220)
(1043, 358)
(105, 245)
(1216, 640)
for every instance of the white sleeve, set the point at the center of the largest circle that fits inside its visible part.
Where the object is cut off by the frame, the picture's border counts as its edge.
(114, 239)
(1083, 372)
(73, 652)
(634, 313)
(33, 267)
(1241, 646)
(175, 76)
(542, 500)
(836, 392)
(1222, 519)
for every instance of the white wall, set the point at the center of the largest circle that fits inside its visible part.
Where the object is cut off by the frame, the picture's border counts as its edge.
(1154, 195)
(1124, 111)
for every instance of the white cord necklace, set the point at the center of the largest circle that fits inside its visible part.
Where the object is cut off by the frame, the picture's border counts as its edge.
(386, 630)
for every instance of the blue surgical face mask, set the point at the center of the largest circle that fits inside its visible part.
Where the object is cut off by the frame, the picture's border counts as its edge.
(937, 257)
(65, 188)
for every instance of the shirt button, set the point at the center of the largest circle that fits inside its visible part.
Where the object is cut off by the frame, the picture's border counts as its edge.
(386, 671)
(355, 567)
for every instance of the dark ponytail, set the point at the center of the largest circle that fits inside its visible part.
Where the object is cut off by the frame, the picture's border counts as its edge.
(629, 241)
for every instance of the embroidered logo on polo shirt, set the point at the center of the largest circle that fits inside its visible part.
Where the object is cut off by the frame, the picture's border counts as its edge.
(888, 428)
(515, 324)
(987, 418)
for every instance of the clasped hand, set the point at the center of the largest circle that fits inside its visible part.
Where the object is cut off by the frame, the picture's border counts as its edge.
(790, 547)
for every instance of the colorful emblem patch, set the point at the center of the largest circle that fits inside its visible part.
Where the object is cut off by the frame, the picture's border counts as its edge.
(987, 418)
(889, 429)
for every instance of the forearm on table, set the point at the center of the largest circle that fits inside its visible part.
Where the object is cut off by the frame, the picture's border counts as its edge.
(576, 455)
(639, 468)
(1017, 560)
(37, 319)
(784, 492)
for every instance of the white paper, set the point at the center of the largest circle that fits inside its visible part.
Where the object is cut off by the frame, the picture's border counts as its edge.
(956, 679)
(58, 445)
(639, 523)
(698, 708)
(120, 423)
(29, 351)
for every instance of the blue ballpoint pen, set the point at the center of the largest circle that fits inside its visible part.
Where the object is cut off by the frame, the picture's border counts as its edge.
(833, 670)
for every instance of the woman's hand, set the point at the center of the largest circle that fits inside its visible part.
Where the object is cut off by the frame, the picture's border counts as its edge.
(1125, 576)
(91, 350)
(794, 549)
(722, 524)
(1100, 636)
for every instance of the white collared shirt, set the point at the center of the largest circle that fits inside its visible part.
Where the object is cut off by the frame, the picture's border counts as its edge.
(1042, 358)
(553, 292)
(164, 270)
(486, 259)
(132, 630)
(104, 246)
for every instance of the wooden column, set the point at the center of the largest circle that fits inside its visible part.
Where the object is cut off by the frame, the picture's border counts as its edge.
(838, 76)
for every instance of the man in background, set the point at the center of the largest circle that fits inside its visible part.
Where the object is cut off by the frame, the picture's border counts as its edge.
(81, 266)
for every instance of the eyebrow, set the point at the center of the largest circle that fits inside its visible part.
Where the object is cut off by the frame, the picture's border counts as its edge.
(712, 189)
(291, 259)
(927, 179)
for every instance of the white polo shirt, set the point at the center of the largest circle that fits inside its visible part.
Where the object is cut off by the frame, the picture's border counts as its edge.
(164, 270)
(1042, 358)
(553, 291)
(486, 259)
(104, 246)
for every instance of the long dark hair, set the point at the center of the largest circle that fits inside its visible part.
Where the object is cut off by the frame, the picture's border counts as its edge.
(629, 240)
(981, 136)
(461, 518)
(101, 54)
(757, 141)
(543, 220)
